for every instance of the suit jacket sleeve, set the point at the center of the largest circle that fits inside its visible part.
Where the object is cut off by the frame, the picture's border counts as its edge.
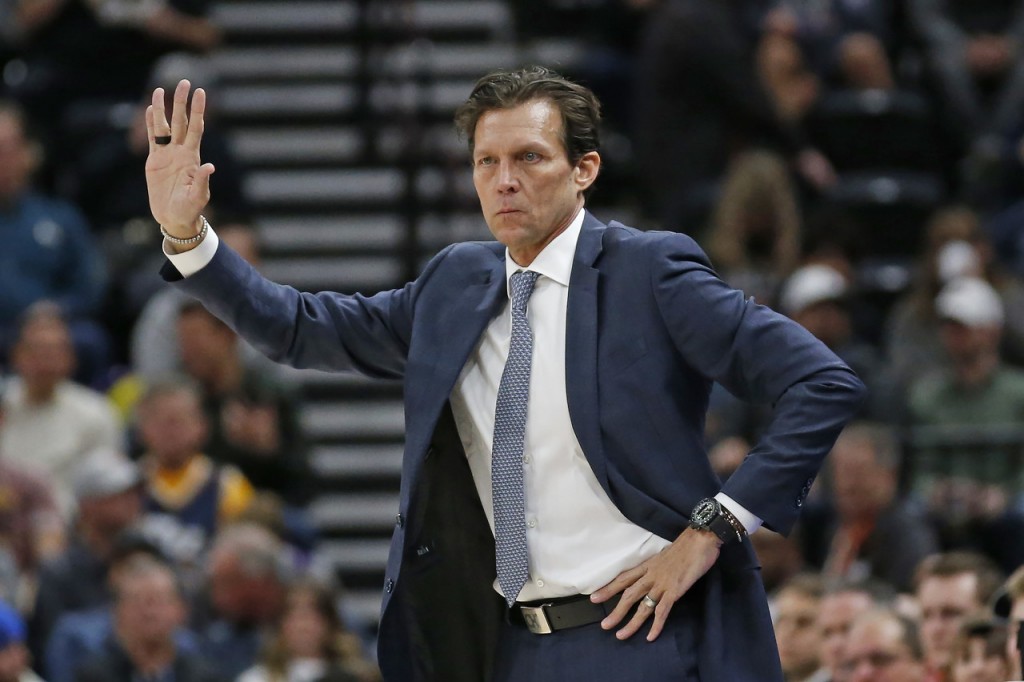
(760, 356)
(327, 330)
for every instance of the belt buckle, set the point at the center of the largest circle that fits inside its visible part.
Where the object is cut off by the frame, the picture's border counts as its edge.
(536, 619)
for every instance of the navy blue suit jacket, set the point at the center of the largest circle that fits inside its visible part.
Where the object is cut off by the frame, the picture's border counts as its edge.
(649, 327)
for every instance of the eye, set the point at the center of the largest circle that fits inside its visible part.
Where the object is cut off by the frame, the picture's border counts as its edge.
(484, 161)
(531, 157)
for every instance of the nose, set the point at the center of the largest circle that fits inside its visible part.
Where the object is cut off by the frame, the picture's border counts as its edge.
(507, 181)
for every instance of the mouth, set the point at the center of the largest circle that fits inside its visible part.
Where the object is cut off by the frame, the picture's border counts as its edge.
(505, 211)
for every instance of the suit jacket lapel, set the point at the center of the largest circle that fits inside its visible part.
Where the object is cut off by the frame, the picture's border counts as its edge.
(581, 347)
(465, 320)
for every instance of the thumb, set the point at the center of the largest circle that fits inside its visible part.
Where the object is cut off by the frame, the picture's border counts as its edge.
(201, 184)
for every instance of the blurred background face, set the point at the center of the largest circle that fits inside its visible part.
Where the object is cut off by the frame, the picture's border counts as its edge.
(110, 514)
(173, 427)
(149, 608)
(13, 662)
(876, 653)
(975, 664)
(206, 344)
(797, 634)
(862, 487)
(945, 602)
(828, 322)
(44, 356)
(16, 157)
(966, 344)
(835, 618)
(304, 629)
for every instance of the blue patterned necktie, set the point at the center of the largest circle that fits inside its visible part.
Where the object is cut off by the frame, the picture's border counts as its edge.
(507, 451)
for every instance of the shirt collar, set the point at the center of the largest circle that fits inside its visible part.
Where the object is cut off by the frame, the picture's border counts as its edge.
(555, 261)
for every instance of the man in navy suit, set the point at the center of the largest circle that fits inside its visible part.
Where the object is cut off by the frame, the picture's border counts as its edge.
(626, 527)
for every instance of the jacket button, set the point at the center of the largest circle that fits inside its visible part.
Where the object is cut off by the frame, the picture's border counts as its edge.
(389, 585)
(399, 521)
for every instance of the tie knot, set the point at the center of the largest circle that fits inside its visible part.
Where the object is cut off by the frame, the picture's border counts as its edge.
(522, 286)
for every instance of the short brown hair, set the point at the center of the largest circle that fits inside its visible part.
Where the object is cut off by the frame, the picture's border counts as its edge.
(580, 109)
(950, 564)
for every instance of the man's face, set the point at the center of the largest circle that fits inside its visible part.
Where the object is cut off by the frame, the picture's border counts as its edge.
(149, 607)
(44, 355)
(797, 633)
(173, 427)
(862, 486)
(528, 190)
(206, 345)
(945, 602)
(875, 652)
(835, 618)
(965, 344)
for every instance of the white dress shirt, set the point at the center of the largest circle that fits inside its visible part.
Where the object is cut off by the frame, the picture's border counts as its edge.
(577, 539)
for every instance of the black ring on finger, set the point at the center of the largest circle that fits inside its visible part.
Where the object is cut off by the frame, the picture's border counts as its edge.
(162, 139)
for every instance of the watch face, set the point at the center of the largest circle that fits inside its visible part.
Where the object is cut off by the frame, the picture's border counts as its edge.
(704, 512)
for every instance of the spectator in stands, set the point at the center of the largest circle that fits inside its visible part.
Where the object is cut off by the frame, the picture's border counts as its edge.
(949, 588)
(51, 421)
(252, 416)
(842, 604)
(149, 609)
(755, 230)
(1009, 606)
(871, 532)
(309, 643)
(816, 297)
(797, 609)
(155, 351)
(247, 585)
(108, 491)
(179, 479)
(80, 635)
(31, 525)
(48, 251)
(977, 393)
(979, 654)
(972, 49)
(955, 247)
(14, 656)
(883, 647)
(699, 99)
(843, 44)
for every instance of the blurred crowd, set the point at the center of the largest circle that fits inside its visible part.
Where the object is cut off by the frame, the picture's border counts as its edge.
(855, 164)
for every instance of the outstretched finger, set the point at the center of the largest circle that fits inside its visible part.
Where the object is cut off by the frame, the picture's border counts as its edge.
(179, 115)
(196, 120)
(640, 616)
(160, 126)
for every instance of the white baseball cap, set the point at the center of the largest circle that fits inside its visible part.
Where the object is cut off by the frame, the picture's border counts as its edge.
(971, 301)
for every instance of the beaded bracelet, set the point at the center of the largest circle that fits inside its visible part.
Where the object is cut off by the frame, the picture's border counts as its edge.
(191, 240)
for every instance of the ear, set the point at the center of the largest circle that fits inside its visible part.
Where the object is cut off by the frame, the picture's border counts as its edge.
(586, 170)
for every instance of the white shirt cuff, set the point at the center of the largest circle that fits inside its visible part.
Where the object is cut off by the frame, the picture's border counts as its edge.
(749, 521)
(190, 262)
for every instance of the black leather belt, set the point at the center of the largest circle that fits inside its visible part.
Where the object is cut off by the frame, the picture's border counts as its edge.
(551, 615)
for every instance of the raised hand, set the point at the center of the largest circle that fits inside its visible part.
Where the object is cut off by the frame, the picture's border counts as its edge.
(178, 182)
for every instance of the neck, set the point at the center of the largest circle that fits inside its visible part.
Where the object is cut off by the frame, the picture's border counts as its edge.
(529, 253)
(39, 394)
(150, 657)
